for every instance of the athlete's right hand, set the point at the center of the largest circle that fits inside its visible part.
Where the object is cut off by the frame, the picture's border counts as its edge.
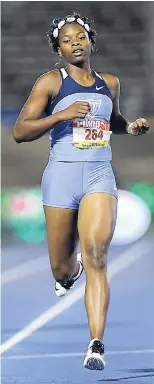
(78, 109)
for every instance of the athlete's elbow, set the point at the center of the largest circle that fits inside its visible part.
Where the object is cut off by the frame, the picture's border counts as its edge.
(18, 134)
(17, 137)
(17, 140)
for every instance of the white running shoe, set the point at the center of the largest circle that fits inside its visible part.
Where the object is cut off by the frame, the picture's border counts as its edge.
(94, 359)
(62, 288)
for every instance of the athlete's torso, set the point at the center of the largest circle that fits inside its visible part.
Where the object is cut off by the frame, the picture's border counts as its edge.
(65, 134)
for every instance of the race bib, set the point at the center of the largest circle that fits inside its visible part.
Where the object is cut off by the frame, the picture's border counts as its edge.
(91, 133)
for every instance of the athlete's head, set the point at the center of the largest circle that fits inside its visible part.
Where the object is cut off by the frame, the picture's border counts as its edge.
(72, 38)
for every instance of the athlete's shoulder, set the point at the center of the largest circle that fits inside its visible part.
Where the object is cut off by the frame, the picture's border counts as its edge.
(49, 81)
(112, 81)
(50, 75)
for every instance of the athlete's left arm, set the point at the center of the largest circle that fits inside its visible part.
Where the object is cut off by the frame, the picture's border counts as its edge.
(119, 124)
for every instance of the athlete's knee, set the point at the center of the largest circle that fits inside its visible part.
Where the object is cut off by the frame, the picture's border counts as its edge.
(95, 255)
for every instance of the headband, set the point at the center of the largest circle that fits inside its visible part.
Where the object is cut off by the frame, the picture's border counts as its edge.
(70, 20)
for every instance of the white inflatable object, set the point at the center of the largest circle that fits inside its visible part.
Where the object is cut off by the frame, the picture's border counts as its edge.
(133, 218)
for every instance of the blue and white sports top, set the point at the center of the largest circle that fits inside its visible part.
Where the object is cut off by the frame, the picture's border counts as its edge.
(81, 139)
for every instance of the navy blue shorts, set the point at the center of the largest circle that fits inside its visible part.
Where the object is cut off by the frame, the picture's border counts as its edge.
(64, 184)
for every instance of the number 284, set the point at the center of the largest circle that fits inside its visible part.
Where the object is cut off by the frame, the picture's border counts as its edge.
(93, 134)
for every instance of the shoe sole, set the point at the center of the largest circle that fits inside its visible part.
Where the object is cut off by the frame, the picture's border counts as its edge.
(59, 294)
(94, 364)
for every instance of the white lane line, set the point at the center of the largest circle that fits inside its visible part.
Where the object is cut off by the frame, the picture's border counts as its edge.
(123, 261)
(76, 354)
(28, 268)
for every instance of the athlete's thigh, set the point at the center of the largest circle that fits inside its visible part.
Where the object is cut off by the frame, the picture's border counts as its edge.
(96, 219)
(62, 234)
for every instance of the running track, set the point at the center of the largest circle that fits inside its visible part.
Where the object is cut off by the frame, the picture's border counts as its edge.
(51, 349)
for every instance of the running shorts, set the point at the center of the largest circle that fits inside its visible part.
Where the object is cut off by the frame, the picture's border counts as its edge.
(64, 184)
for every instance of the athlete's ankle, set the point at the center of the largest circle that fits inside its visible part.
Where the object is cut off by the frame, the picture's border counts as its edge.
(96, 339)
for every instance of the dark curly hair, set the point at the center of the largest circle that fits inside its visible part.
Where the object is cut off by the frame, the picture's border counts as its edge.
(54, 42)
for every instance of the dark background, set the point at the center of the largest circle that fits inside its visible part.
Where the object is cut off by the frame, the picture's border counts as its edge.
(125, 48)
(125, 41)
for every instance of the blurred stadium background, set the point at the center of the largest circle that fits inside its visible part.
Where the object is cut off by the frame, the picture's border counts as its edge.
(125, 48)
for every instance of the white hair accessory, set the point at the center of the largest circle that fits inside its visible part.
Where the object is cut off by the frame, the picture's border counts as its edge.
(70, 19)
(60, 25)
(79, 21)
(55, 33)
(87, 27)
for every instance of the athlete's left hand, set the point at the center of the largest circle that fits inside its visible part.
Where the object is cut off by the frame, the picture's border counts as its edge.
(138, 127)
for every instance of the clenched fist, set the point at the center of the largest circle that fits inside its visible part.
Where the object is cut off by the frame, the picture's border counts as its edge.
(138, 127)
(78, 109)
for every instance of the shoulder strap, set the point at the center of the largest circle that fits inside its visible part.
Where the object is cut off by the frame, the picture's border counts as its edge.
(102, 78)
(64, 73)
(97, 74)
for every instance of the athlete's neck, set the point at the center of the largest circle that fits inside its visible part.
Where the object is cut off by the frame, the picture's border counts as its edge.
(84, 72)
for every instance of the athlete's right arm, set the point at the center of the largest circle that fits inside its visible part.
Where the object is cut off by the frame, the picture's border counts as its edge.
(29, 125)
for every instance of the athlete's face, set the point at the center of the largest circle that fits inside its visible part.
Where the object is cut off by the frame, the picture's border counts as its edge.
(74, 44)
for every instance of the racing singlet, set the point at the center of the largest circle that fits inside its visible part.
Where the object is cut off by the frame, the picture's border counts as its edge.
(85, 139)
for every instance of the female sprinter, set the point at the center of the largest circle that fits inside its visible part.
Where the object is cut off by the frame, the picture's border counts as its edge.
(78, 185)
